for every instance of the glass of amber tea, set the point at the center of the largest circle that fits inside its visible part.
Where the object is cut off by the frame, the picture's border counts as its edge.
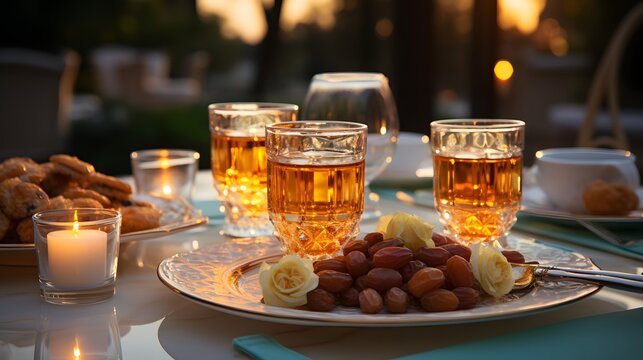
(477, 171)
(315, 184)
(238, 159)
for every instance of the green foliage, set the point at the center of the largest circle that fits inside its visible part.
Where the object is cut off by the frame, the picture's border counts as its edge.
(107, 143)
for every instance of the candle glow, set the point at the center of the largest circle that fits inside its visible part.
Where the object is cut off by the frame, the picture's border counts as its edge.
(76, 350)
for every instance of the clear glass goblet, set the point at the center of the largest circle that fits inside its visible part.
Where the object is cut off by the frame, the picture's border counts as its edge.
(363, 98)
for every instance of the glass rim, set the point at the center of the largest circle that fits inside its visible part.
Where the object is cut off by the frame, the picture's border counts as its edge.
(291, 127)
(142, 155)
(112, 216)
(479, 124)
(351, 76)
(236, 107)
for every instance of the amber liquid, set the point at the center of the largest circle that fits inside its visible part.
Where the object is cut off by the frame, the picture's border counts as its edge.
(239, 170)
(477, 198)
(315, 209)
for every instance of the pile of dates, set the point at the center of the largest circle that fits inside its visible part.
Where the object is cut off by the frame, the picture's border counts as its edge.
(376, 274)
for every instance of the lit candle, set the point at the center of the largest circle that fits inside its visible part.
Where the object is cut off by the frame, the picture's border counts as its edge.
(77, 258)
(165, 179)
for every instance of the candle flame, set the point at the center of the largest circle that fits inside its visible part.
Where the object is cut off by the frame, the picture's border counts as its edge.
(383, 130)
(77, 350)
(75, 227)
(165, 163)
(167, 190)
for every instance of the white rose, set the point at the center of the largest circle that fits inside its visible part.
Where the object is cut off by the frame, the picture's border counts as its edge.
(287, 282)
(410, 229)
(491, 269)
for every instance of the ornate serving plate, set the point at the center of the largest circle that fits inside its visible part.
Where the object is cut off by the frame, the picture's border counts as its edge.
(224, 277)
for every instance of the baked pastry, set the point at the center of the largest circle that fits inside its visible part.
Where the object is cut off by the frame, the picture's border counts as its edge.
(109, 186)
(64, 182)
(73, 164)
(25, 231)
(59, 202)
(602, 198)
(78, 193)
(137, 218)
(85, 203)
(5, 224)
(20, 199)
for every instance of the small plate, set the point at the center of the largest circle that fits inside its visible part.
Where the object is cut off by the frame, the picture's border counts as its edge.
(178, 215)
(225, 278)
(534, 202)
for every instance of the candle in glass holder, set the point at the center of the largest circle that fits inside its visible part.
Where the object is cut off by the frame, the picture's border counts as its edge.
(77, 254)
(165, 172)
(77, 258)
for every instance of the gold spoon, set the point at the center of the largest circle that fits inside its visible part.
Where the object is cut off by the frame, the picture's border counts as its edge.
(526, 275)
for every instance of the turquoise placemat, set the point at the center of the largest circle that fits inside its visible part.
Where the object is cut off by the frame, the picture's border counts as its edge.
(609, 336)
(580, 236)
(209, 208)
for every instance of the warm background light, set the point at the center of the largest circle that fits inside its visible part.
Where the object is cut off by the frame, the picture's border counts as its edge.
(503, 70)
(244, 19)
(520, 14)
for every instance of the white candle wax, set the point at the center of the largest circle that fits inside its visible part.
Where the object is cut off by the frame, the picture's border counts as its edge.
(77, 258)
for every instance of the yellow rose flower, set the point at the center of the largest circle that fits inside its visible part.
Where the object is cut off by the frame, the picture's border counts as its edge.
(491, 269)
(410, 229)
(287, 282)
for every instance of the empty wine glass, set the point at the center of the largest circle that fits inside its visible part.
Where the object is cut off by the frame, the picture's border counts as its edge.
(364, 98)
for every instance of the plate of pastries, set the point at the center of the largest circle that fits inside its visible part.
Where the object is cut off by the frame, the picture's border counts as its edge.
(66, 182)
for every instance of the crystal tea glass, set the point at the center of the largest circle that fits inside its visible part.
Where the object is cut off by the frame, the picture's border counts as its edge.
(315, 184)
(238, 150)
(77, 254)
(477, 171)
(165, 172)
(363, 98)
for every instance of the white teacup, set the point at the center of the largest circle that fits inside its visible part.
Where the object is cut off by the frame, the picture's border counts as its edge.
(564, 173)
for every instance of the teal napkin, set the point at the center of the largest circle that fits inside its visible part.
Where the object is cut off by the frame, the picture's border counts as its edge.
(262, 347)
(608, 336)
(209, 208)
(577, 235)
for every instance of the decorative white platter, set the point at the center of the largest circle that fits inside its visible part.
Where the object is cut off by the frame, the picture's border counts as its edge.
(224, 277)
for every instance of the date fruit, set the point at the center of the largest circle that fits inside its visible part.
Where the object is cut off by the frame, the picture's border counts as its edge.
(514, 256)
(396, 301)
(411, 268)
(336, 264)
(439, 239)
(382, 279)
(349, 297)
(356, 245)
(373, 238)
(460, 273)
(320, 300)
(370, 301)
(384, 244)
(439, 300)
(425, 280)
(433, 256)
(458, 249)
(334, 281)
(392, 257)
(467, 297)
(357, 264)
(361, 283)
